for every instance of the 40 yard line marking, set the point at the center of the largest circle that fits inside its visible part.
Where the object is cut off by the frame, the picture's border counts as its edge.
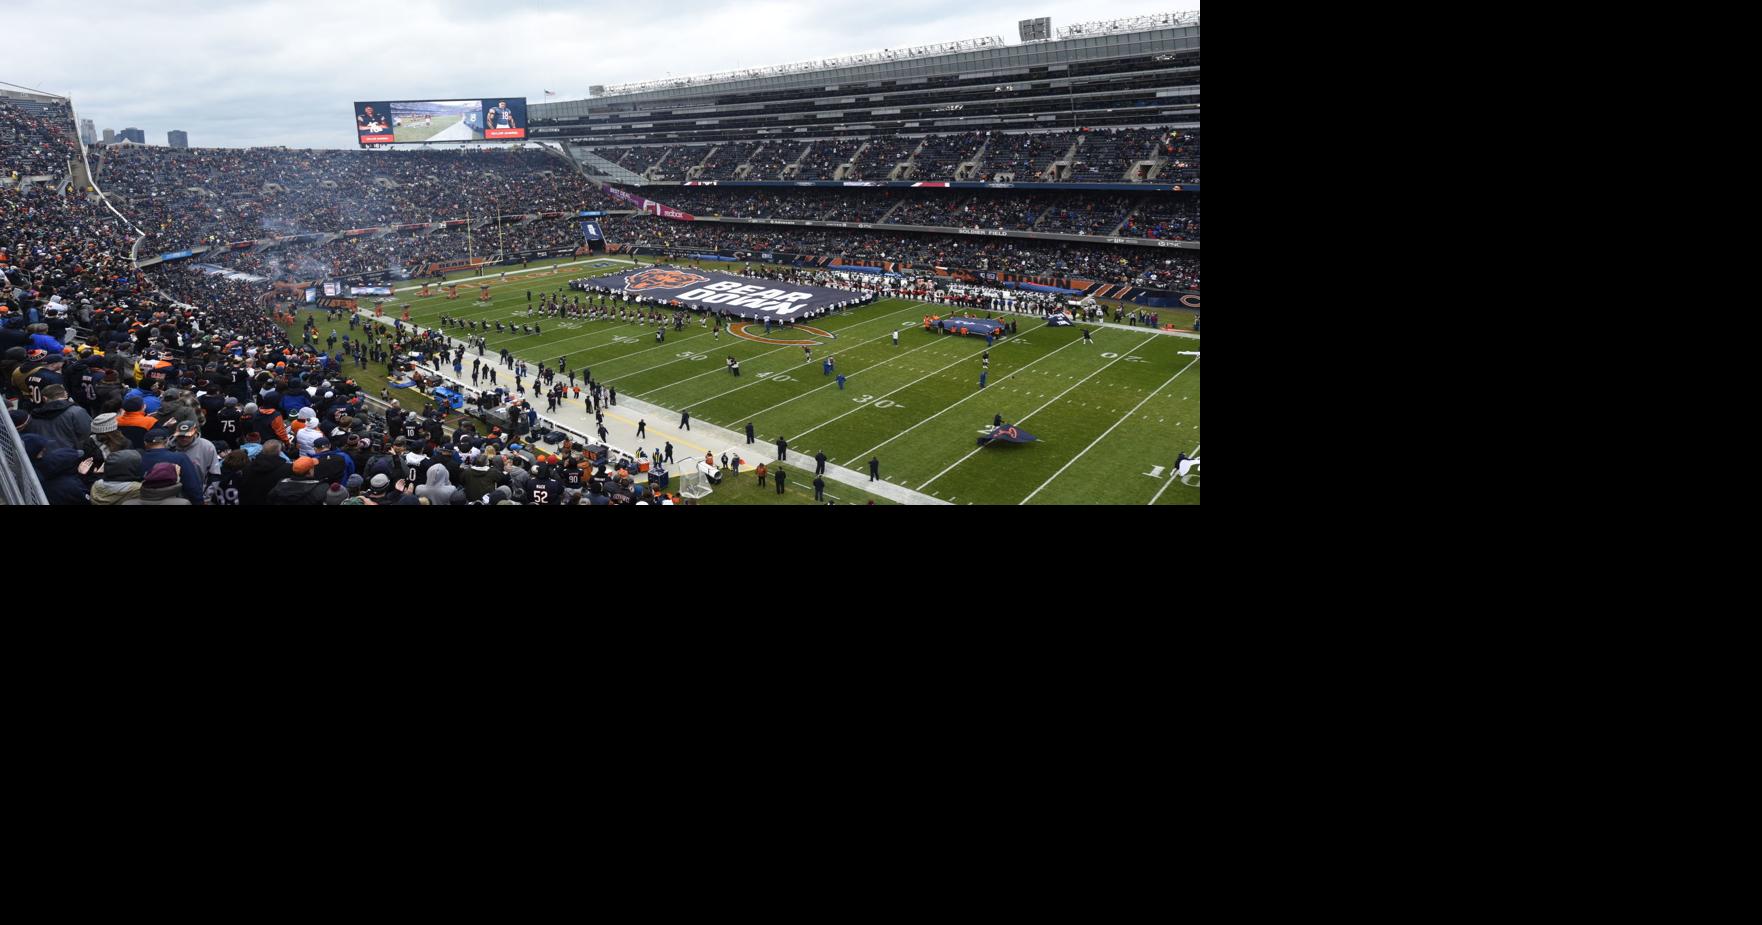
(761, 380)
(811, 391)
(1104, 433)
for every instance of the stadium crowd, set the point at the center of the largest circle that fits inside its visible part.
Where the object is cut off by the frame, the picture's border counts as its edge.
(1170, 216)
(1133, 265)
(172, 386)
(184, 198)
(36, 139)
(1104, 155)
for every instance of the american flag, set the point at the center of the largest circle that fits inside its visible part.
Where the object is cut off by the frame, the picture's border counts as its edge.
(550, 93)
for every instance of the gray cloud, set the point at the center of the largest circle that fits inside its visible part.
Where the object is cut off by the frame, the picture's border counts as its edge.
(285, 72)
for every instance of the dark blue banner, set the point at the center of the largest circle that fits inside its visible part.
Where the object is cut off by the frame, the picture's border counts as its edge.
(739, 296)
(974, 326)
(591, 231)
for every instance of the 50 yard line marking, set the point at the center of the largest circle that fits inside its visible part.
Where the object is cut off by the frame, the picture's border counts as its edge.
(1055, 398)
(1123, 419)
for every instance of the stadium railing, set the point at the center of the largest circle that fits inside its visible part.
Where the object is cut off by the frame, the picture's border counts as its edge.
(18, 477)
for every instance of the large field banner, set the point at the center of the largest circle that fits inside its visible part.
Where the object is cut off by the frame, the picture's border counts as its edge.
(740, 296)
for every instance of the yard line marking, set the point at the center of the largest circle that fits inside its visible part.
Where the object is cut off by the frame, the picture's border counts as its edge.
(1043, 407)
(579, 353)
(655, 391)
(811, 391)
(907, 386)
(870, 451)
(1171, 481)
(1104, 434)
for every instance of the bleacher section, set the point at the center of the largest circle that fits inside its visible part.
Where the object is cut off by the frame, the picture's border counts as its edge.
(941, 154)
(1165, 221)
(727, 158)
(769, 163)
(1026, 156)
(826, 157)
(1107, 154)
(882, 155)
(1182, 150)
(37, 138)
(198, 196)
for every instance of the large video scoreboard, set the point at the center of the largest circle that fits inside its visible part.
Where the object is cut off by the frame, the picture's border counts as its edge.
(441, 121)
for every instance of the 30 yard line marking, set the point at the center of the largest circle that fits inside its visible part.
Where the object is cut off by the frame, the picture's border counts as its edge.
(871, 450)
(908, 385)
(1055, 398)
(1104, 433)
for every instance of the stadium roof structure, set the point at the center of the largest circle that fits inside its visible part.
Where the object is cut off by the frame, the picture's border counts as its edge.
(1073, 42)
(802, 67)
(1129, 24)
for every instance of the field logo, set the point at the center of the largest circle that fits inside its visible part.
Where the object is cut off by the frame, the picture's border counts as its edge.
(662, 279)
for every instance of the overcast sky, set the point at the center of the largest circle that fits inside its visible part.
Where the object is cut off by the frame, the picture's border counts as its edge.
(287, 72)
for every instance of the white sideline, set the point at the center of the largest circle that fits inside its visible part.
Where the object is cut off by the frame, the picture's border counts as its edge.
(1123, 419)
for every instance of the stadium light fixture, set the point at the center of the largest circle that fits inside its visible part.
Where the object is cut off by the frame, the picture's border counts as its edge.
(1131, 24)
(802, 67)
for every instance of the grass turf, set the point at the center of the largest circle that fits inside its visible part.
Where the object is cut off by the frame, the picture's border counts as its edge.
(416, 133)
(1108, 414)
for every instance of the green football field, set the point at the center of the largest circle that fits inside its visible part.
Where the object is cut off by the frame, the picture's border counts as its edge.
(415, 133)
(1111, 416)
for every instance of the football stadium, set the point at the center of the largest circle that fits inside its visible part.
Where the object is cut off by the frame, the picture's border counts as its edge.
(964, 272)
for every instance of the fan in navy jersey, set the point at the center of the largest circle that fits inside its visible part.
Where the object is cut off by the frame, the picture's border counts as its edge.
(572, 474)
(226, 422)
(43, 377)
(224, 489)
(211, 402)
(545, 489)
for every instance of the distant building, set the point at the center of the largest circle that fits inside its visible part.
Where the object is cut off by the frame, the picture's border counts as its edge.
(177, 139)
(133, 134)
(110, 136)
(88, 134)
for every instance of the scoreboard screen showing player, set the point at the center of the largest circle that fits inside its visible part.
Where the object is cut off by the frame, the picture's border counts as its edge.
(501, 118)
